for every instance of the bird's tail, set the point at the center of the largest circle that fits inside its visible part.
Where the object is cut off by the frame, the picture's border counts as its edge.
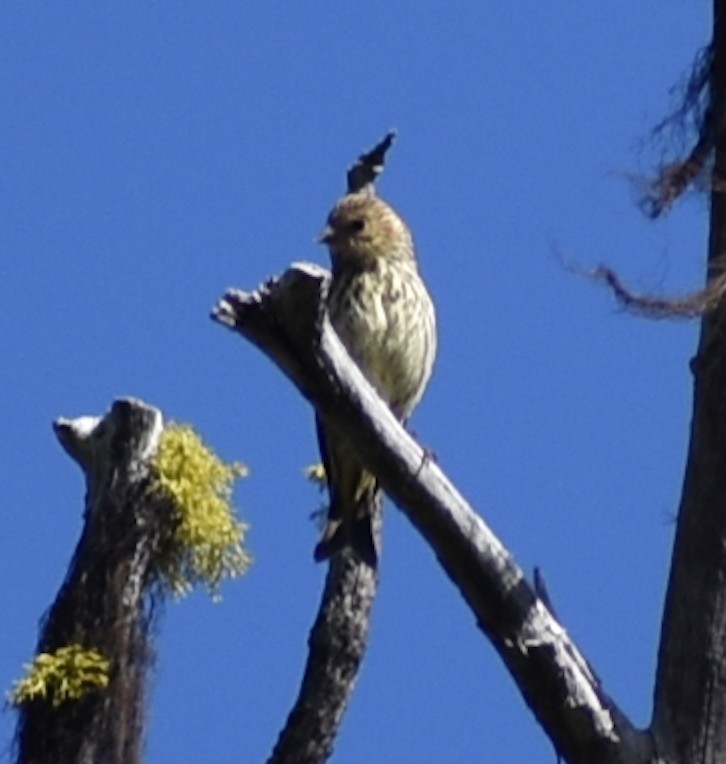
(354, 531)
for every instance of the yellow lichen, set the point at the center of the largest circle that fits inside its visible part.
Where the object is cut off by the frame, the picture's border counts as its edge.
(315, 473)
(69, 673)
(207, 544)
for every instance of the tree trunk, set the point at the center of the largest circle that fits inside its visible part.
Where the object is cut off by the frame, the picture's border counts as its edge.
(689, 720)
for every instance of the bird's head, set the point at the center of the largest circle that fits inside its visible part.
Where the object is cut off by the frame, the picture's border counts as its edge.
(362, 229)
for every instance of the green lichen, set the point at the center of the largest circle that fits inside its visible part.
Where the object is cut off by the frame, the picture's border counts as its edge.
(67, 674)
(315, 473)
(207, 543)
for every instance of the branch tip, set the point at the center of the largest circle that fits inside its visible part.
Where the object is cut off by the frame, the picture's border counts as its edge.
(364, 173)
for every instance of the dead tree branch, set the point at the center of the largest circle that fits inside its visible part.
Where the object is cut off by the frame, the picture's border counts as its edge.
(102, 603)
(688, 306)
(285, 320)
(693, 305)
(337, 645)
(364, 172)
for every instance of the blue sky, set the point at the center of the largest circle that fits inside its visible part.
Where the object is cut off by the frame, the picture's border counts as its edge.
(155, 153)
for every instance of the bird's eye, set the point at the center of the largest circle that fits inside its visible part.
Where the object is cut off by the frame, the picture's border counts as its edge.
(357, 225)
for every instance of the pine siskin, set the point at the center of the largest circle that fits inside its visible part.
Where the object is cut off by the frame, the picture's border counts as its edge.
(384, 316)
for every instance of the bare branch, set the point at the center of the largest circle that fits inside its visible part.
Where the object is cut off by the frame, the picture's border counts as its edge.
(285, 320)
(654, 306)
(337, 644)
(364, 173)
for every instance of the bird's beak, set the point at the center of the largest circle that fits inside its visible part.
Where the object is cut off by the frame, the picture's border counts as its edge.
(325, 236)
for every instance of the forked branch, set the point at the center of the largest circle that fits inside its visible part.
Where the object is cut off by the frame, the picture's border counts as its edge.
(285, 320)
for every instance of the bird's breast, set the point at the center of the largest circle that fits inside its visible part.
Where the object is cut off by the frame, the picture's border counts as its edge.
(385, 319)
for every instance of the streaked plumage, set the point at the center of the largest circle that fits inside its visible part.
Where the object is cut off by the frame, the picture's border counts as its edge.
(382, 312)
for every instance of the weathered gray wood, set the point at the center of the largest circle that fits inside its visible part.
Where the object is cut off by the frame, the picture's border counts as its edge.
(284, 318)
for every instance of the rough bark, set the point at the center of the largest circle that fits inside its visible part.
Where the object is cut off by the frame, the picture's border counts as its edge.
(101, 604)
(690, 698)
(337, 645)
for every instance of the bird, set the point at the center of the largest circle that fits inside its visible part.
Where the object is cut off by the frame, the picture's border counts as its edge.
(382, 311)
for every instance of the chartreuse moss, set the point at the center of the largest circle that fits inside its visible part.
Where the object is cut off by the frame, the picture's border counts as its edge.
(315, 473)
(65, 675)
(207, 543)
